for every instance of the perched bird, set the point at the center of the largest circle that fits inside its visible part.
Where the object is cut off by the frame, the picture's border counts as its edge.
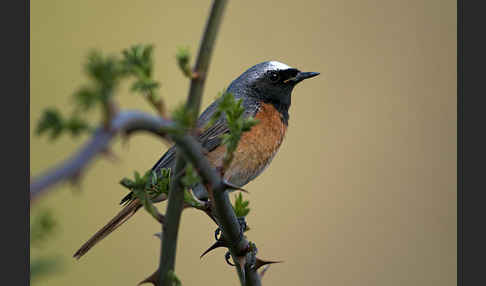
(265, 90)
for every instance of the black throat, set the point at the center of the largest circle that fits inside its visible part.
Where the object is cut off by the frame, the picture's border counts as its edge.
(282, 108)
(256, 92)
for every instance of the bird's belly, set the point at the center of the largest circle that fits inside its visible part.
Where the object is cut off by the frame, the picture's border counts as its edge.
(256, 147)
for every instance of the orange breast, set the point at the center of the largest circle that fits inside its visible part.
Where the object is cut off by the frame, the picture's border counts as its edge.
(256, 148)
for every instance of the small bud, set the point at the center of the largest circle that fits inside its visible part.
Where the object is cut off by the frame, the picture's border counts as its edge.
(183, 57)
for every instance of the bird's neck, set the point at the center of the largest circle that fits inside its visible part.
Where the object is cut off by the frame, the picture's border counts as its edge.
(282, 108)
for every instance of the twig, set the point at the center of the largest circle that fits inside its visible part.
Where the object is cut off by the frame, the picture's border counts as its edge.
(128, 121)
(205, 52)
(157, 103)
(175, 204)
(170, 229)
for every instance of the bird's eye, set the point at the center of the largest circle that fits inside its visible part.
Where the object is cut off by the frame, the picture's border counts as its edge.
(274, 76)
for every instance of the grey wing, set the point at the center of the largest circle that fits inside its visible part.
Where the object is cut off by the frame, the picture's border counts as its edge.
(210, 138)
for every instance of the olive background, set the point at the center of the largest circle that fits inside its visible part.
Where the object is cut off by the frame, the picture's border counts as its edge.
(363, 189)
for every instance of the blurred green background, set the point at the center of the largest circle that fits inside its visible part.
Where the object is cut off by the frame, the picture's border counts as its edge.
(363, 189)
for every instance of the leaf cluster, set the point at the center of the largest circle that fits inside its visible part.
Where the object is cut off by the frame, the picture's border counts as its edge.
(173, 279)
(150, 182)
(151, 185)
(44, 266)
(190, 177)
(184, 119)
(189, 180)
(54, 124)
(138, 62)
(237, 123)
(148, 187)
(241, 206)
(105, 74)
(42, 227)
(183, 57)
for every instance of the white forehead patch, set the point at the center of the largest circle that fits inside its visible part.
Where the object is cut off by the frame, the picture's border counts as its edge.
(278, 65)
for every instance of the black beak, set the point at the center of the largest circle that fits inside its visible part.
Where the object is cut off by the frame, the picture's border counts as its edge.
(303, 75)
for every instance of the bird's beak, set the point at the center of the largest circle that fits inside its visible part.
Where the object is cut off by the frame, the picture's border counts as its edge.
(301, 76)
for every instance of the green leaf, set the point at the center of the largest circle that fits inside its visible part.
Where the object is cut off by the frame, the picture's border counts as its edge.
(241, 206)
(237, 124)
(76, 125)
(163, 183)
(189, 180)
(42, 226)
(190, 200)
(86, 98)
(45, 266)
(183, 117)
(174, 280)
(145, 85)
(190, 177)
(54, 124)
(142, 195)
(105, 71)
(127, 183)
(249, 123)
(138, 60)
(183, 57)
(51, 122)
(148, 187)
(154, 178)
(137, 177)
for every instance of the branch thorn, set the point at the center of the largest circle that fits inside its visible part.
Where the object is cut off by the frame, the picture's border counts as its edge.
(217, 244)
(259, 263)
(151, 279)
(231, 186)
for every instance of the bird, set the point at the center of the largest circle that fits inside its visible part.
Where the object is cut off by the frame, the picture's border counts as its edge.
(265, 90)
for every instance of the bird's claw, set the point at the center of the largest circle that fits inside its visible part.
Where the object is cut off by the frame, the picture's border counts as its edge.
(227, 256)
(221, 242)
(217, 233)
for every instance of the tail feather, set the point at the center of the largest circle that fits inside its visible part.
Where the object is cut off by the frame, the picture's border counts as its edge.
(127, 212)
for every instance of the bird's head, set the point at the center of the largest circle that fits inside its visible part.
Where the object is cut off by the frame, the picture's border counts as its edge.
(270, 81)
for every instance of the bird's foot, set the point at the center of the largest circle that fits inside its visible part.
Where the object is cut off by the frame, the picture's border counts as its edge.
(222, 242)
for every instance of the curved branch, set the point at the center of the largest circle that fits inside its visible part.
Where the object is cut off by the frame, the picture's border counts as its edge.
(125, 121)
